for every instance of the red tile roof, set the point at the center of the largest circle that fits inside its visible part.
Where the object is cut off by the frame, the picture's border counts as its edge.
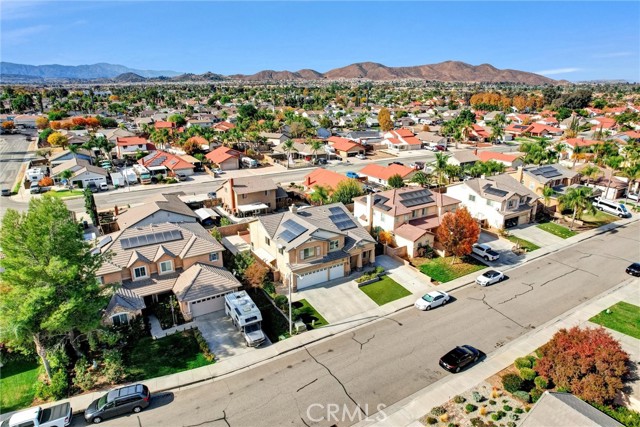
(581, 142)
(164, 125)
(221, 154)
(224, 126)
(384, 173)
(485, 156)
(323, 178)
(343, 144)
(605, 122)
(130, 140)
(403, 132)
(168, 160)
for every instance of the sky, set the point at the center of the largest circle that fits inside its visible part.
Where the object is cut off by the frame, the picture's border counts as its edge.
(563, 40)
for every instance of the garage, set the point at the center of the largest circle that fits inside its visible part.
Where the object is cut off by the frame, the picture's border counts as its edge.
(311, 278)
(336, 272)
(207, 305)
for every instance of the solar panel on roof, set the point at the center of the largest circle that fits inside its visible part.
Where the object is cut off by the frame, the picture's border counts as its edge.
(150, 239)
(345, 224)
(291, 230)
(495, 191)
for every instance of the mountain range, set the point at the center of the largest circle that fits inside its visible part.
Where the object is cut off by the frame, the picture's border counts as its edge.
(448, 71)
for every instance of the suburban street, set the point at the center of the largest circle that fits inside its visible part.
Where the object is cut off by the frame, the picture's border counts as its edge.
(392, 358)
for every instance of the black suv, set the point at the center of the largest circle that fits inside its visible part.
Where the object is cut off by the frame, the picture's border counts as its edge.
(133, 398)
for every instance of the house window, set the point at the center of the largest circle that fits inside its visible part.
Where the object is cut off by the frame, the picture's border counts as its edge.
(281, 250)
(267, 241)
(266, 192)
(213, 256)
(120, 319)
(244, 196)
(414, 214)
(308, 252)
(333, 244)
(512, 203)
(488, 202)
(166, 267)
(139, 273)
(472, 198)
(101, 280)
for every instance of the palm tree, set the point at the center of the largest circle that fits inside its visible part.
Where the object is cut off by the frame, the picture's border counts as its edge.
(289, 147)
(578, 199)
(466, 128)
(66, 175)
(497, 132)
(421, 178)
(320, 195)
(316, 145)
(591, 171)
(440, 166)
(73, 148)
(547, 194)
(577, 150)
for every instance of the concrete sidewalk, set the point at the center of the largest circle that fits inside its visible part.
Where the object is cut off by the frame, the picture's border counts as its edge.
(409, 410)
(264, 355)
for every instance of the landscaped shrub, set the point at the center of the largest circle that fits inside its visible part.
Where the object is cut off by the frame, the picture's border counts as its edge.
(533, 360)
(470, 407)
(495, 416)
(507, 408)
(541, 383)
(477, 397)
(523, 362)
(528, 374)
(438, 410)
(431, 420)
(539, 353)
(459, 399)
(202, 344)
(514, 417)
(83, 378)
(444, 418)
(522, 395)
(483, 411)
(57, 389)
(624, 415)
(518, 411)
(492, 402)
(269, 287)
(511, 382)
(281, 301)
(535, 394)
(113, 367)
(511, 424)
(477, 422)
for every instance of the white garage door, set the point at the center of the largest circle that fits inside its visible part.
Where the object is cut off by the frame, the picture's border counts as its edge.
(336, 271)
(207, 305)
(312, 278)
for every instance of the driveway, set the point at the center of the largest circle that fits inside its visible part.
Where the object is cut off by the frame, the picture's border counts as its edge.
(503, 247)
(413, 280)
(223, 338)
(535, 235)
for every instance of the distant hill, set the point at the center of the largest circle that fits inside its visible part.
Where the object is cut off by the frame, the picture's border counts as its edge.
(80, 72)
(129, 78)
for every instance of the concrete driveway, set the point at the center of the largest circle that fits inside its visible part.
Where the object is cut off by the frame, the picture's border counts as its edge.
(503, 247)
(222, 336)
(413, 280)
(535, 235)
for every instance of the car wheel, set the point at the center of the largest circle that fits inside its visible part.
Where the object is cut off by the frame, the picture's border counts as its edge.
(444, 302)
(137, 409)
(457, 369)
(97, 420)
(486, 258)
(428, 308)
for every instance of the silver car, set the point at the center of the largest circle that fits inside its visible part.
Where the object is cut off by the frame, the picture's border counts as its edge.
(490, 277)
(431, 300)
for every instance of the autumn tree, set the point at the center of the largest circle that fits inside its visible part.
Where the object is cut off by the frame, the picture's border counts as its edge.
(92, 122)
(385, 237)
(395, 181)
(384, 119)
(191, 146)
(49, 287)
(42, 122)
(8, 125)
(256, 274)
(58, 140)
(346, 191)
(588, 362)
(45, 182)
(457, 233)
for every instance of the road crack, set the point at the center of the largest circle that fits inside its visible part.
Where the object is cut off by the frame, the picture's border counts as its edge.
(353, 337)
(306, 385)
(223, 418)
(484, 296)
(574, 270)
(346, 392)
(530, 285)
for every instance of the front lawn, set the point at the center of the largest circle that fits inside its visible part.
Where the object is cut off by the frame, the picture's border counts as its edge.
(598, 219)
(624, 317)
(385, 291)
(151, 358)
(557, 230)
(524, 244)
(17, 384)
(310, 314)
(442, 270)
(65, 193)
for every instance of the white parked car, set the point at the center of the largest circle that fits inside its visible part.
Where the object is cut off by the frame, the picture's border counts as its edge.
(490, 277)
(361, 156)
(431, 300)
(634, 196)
(484, 251)
(104, 186)
(430, 148)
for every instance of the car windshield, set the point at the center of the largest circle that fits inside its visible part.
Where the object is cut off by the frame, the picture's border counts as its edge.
(252, 328)
(491, 273)
(102, 401)
(427, 298)
(623, 207)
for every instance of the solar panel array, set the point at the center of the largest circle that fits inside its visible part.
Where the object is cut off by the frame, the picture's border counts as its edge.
(415, 198)
(547, 172)
(291, 230)
(151, 239)
(340, 219)
(380, 202)
(494, 191)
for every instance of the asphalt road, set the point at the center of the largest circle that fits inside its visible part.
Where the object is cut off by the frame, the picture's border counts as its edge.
(391, 358)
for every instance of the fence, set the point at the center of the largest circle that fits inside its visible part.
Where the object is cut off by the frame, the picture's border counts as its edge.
(233, 229)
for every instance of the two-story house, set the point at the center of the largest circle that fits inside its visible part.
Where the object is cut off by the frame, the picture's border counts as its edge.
(155, 259)
(311, 246)
(401, 140)
(497, 201)
(411, 214)
(535, 178)
(131, 145)
(247, 196)
(157, 209)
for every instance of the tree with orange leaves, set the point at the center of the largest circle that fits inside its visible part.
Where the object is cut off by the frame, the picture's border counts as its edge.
(79, 121)
(457, 233)
(92, 122)
(42, 122)
(55, 125)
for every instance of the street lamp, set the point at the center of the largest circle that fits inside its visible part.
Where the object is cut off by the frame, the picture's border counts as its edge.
(291, 274)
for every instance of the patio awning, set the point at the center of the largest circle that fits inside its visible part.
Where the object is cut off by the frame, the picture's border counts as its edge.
(205, 213)
(264, 255)
(252, 207)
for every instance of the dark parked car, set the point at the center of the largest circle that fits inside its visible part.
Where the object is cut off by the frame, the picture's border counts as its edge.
(459, 357)
(6, 192)
(133, 398)
(396, 163)
(634, 269)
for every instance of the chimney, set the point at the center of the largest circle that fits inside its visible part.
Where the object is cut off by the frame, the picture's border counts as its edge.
(233, 195)
(308, 182)
(115, 210)
(293, 209)
(475, 152)
(369, 211)
(520, 174)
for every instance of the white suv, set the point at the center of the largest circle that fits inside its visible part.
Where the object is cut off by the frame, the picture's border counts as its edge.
(485, 252)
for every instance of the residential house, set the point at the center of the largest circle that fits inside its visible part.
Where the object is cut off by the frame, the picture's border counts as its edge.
(537, 129)
(202, 122)
(274, 138)
(401, 140)
(365, 137)
(223, 126)
(322, 178)
(566, 410)
(492, 116)
(247, 196)
(516, 129)
(479, 133)
(83, 173)
(463, 158)
(311, 246)
(372, 122)
(432, 138)
(380, 174)
(497, 201)
(549, 121)
(510, 160)
(140, 122)
(535, 178)
(161, 162)
(131, 145)
(225, 158)
(411, 214)
(25, 121)
(301, 151)
(571, 144)
(604, 123)
(164, 258)
(164, 125)
(157, 209)
(566, 123)
(64, 156)
(345, 148)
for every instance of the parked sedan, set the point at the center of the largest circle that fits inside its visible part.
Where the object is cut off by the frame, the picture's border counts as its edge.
(353, 175)
(634, 196)
(634, 269)
(361, 156)
(490, 277)
(431, 300)
(459, 357)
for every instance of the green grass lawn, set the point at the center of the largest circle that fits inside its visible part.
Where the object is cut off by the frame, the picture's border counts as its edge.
(65, 193)
(598, 219)
(384, 291)
(624, 317)
(442, 270)
(151, 358)
(525, 244)
(557, 230)
(17, 384)
(321, 321)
